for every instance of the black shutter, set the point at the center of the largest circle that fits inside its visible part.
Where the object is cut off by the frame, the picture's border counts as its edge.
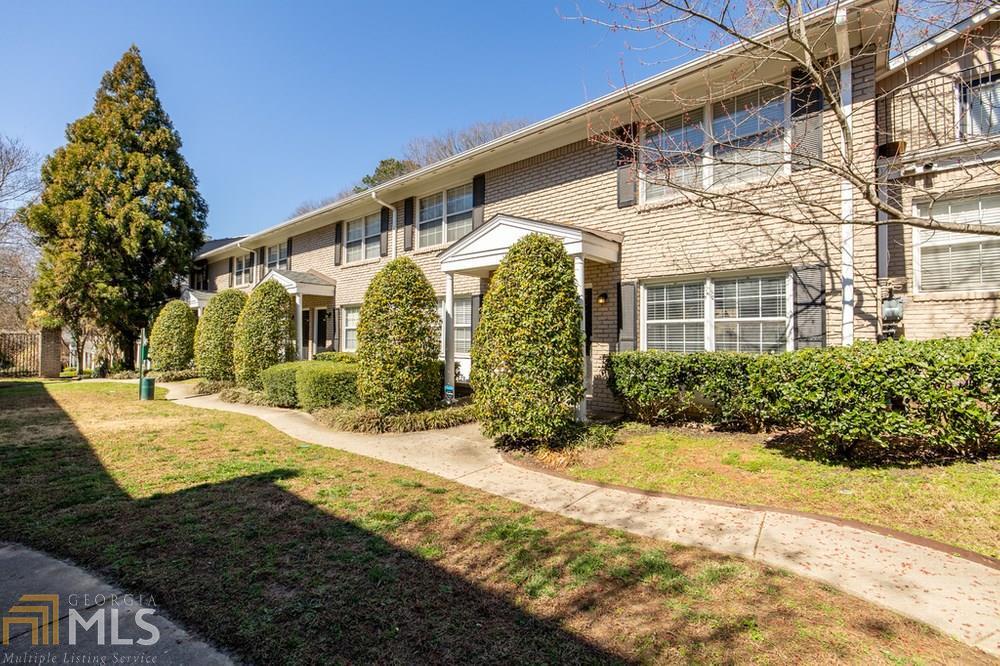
(289, 248)
(807, 121)
(626, 316)
(478, 200)
(477, 304)
(338, 243)
(231, 277)
(408, 224)
(809, 306)
(625, 163)
(384, 235)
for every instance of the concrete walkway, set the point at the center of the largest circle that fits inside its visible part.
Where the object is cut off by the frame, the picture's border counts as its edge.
(957, 595)
(27, 572)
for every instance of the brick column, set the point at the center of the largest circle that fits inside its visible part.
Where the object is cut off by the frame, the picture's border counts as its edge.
(49, 352)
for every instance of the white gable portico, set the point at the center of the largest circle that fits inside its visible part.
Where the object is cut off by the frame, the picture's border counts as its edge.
(480, 252)
(299, 284)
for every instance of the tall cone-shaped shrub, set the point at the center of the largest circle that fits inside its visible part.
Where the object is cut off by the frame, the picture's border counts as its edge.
(264, 333)
(399, 341)
(171, 342)
(213, 339)
(527, 372)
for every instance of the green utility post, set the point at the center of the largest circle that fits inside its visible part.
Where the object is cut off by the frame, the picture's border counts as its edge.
(146, 384)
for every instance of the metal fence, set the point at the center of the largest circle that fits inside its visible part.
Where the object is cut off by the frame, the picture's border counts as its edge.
(19, 354)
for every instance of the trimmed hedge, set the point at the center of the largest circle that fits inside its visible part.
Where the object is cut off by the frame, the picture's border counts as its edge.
(310, 384)
(337, 357)
(264, 334)
(213, 339)
(171, 342)
(399, 341)
(895, 399)
(987, 326)
(363, 419)
(527, 373)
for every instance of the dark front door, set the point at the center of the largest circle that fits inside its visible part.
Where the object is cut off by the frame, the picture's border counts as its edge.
(321, 342)
(306, 333)
(588, 326)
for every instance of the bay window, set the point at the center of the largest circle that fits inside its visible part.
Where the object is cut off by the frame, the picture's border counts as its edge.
(277, 257)
(352, 314)
(749, 134)
(747, 314)
(950, 261)
(445, 216)
(243, 270)
(364, 238)
(672, 155)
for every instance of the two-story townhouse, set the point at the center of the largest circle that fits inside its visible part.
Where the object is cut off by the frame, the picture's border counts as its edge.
(654, 269)
(939, 129)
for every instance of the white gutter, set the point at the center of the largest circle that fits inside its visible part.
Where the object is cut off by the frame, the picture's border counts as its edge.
(536, 128)
(392, 238)
(846, 188)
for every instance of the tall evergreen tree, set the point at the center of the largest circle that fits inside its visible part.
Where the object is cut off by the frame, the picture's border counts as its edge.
(120, 207)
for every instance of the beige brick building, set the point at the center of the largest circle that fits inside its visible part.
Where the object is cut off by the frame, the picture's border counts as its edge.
(656, 269)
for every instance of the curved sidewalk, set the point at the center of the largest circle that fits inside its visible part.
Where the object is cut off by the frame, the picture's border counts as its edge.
(956, 595)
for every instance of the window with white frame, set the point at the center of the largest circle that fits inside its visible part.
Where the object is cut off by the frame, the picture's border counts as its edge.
(749, 135)
(243, 270)
(352, 314)
(445, 216)
(748, 314)
(982, 105)
(672, 155)
(675, 317)
(462, 325)
(277, 257)
(364, 238)
(951, 261)
(751, 314)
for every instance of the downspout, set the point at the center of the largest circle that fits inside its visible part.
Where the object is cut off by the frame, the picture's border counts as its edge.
(255, 269)
(392, 230)
(846, 188)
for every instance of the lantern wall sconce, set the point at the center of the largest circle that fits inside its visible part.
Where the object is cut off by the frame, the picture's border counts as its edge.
(602, 298)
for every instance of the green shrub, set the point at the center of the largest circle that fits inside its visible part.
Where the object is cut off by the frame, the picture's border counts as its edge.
(364, 419)
(174, 375)
(893, 400)
(213, 339)
(337, 357)
(321, 384)
(171, 342)
(987, 326)
(398, 341)
(210, 386)
(263, 335)
(527, 373)
(278, 383)
(245, 396)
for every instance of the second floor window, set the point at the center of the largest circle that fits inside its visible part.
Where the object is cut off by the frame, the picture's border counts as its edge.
(749, 135)
(672, 155)
(277, 257)
(446, 216)
(243, 270)
(982, 105)
(364, 238)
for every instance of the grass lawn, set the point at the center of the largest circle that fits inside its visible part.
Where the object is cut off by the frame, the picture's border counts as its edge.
(285, 552)
(958, 504)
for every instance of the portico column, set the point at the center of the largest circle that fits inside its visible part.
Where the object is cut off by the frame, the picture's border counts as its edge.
(298, 326)
(581, 408)
(449, 335)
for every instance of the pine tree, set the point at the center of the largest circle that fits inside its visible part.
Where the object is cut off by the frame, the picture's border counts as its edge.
(120, 215)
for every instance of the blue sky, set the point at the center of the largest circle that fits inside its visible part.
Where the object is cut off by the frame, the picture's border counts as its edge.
(278, 103)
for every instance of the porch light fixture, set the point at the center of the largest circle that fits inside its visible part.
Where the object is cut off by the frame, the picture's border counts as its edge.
(602, 298)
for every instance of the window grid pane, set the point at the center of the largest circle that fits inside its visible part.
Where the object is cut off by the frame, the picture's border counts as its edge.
(955, 261)
(751, 314)
(675, 317)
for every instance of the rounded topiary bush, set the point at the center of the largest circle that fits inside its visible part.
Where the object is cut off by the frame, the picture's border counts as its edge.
(264, 333)
(171, 342)
(399, 341)
(213, 339)
(527, 372)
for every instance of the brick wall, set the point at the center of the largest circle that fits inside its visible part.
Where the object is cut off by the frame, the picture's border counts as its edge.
(50, 352)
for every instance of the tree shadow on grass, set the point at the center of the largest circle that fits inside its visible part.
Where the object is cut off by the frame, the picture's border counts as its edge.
(252, 566)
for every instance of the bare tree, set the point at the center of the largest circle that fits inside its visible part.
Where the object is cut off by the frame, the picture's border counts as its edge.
(19, 185)
(429, 149)
(744, 160)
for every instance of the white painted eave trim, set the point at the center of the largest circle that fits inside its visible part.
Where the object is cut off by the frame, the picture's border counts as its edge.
(293, 287)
